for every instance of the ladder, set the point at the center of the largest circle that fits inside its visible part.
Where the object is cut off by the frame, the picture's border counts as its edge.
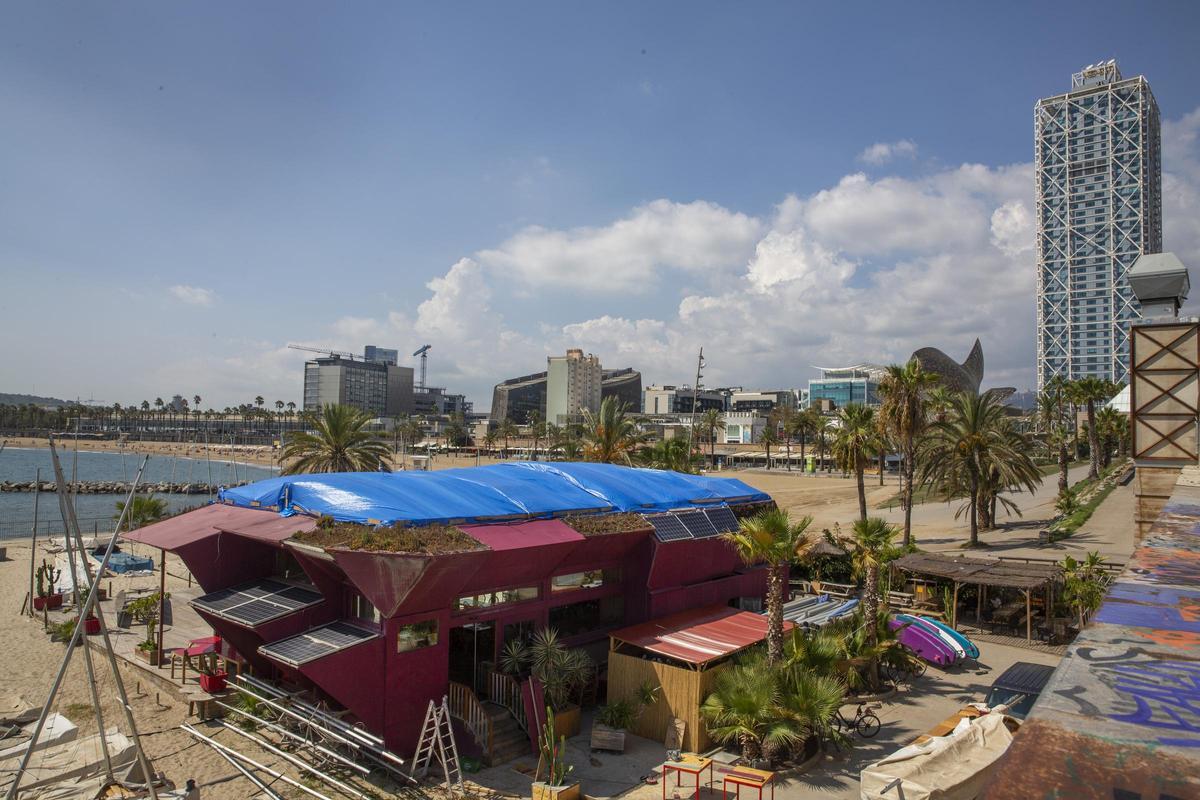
(437, 737)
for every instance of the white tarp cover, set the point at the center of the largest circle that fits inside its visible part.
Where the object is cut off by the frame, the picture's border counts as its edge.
(57, 730)
(69, 761)
(953, 767)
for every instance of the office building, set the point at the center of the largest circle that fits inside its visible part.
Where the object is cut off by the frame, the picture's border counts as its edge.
(742, 427)
(764, 401)
(517, 399)
(572, 386)
(380, 389)
(381, 355)
(839, 386)
(1099, 206)
(436, 402)
(680, 400)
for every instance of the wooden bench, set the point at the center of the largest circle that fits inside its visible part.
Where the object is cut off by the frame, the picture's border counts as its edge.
(900, 600)
(842, 591)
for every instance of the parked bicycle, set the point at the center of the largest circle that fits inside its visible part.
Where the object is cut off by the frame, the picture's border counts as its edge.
(865, 723)
(902, 675)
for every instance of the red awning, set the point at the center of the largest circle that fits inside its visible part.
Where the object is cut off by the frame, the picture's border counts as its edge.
(699, 635)
(210, 520)
(515, 536)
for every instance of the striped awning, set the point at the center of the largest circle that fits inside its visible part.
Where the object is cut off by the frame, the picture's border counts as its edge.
(700, 635)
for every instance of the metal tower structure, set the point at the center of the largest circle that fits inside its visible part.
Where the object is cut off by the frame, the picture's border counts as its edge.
(1099, 206)
(423, 352)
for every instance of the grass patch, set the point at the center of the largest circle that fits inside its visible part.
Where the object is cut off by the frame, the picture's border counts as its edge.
(423, 539)
(78, 713)
(601, 524)
(1097, 492)
(926, 494)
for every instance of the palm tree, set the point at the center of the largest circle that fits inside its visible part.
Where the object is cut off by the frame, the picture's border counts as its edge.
(803, 424)
(506, 430)
(822, 428)
(904, 390)
(1051, 412)
(767, 438)
(773, 539)
(711, 421)
(938, 401)
(610, 436)
(783, 419)
(853, 444)
(744, 708)
(671, 454)
(489, 439)
(338, 443)
(974, 447)
(145, 509)
(1111, 424)
(869, 544)
(537, 424)
(1083, 587)
(1087, 392)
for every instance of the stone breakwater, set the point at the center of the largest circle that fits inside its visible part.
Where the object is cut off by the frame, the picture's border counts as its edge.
(120, 487)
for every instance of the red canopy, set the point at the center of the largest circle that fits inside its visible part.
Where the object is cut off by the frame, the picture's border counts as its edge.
(699, 635)
(210, 520)
(515, 535)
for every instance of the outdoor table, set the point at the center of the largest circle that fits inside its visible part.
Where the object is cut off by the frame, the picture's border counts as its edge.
(745, 776)
(690, 763)
(205, 649)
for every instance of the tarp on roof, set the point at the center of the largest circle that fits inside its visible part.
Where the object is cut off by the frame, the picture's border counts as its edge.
(210, 520)
(699, 635)
(498, 491)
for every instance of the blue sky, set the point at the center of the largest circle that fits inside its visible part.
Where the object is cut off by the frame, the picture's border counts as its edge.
(185, 188)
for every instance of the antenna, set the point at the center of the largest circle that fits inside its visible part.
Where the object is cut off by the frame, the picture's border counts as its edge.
(423, 352)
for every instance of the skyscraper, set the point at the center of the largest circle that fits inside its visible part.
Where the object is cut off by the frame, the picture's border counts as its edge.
(572, 386)
(1099, 206)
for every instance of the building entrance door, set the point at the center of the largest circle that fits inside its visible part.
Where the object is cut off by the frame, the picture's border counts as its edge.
(472, 649)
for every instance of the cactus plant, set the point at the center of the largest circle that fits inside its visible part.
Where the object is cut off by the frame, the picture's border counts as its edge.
(554, 751)
(47, 579)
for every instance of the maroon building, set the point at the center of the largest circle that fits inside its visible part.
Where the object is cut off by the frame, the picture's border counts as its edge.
(381, 624)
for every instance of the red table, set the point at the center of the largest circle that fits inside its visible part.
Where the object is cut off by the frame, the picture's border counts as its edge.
(744, 776)
(692, 765)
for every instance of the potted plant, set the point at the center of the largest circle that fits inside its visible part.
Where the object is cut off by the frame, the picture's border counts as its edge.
(614, 719)
(562, 672)
(212, 680)
(553, 752)
(145, 611)
(47, 598)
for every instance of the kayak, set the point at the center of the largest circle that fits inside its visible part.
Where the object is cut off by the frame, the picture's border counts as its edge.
(966, 643)
(924, 643)
(960, 652)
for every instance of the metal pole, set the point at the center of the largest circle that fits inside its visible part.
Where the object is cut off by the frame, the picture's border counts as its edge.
(344, 787)
(276, 775)
(37, 490)
(249, 775)
(292, 735)
(162, 601)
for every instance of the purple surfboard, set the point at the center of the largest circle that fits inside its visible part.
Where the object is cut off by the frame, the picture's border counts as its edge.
(924, 643)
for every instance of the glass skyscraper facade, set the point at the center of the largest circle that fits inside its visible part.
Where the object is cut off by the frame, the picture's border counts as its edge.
(1099, 206)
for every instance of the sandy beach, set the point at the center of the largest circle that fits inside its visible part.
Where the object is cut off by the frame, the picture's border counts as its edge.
(250, 454)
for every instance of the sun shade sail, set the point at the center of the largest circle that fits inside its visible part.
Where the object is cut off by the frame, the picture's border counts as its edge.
(499, 491)
(699, 635)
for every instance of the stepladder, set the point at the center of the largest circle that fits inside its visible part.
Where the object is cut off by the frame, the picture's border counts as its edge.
(437, 742)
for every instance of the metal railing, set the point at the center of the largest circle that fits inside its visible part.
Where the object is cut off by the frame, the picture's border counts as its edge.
(506, 692)
(465, 707)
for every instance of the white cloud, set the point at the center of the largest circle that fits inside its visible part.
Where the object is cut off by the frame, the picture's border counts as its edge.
(629, 254)
(883, 152)
(193, 295)
(1012, 228)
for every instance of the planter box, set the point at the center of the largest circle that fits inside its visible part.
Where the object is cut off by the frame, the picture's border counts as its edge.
(49, 602)
(91, 626)
(151, 657)
(543, 791)
(213, 683)
(606, 738)
(568, 722)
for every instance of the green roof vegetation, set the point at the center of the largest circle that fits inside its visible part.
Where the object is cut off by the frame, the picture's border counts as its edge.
(432, 539)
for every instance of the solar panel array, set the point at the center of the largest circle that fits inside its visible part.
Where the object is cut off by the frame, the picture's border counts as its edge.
(257, 602)
(674, 526)
(317, 643)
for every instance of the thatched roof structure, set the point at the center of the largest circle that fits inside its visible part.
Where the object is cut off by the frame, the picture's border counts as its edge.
(981, 571)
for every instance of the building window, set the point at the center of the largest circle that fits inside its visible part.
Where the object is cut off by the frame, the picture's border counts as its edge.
(592, 579)
(574, 619)
(364, 611)
(502, 597)
(417, 635)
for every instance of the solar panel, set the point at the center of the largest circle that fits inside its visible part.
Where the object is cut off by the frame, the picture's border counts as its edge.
(317, 643)
(723, 519)
(668, 528)
(257, 602)
(697, 524)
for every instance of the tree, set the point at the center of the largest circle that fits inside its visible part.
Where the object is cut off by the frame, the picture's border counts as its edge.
(144, 509)
(869, 544)
(456, 431)
(338, 443)
(803, 425)
(537, 425)
(1087, 392)
(973, 451)
(822, 428)
(710, 422)
(905, 390)
(744, 708)
(783, 419)
(771, 538)
(610, 436)
(489, 439)
(1083, 584)
(258, 401)
(853, 444)
(938, 401)
(1112, 426)
(672, 454)
(767, 438)
(506, 430)
(1052, 418)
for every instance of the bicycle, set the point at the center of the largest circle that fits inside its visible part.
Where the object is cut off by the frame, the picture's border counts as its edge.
(901, 675)
(865, 723)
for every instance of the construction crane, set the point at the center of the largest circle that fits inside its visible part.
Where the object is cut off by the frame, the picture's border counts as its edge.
(423, 352)
(326, 351)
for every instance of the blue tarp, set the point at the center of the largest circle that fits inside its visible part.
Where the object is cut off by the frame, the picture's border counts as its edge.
(126, 562)
(480, 493)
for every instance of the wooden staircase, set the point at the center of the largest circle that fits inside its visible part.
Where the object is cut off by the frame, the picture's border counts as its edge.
(495, 729)
(509, 741)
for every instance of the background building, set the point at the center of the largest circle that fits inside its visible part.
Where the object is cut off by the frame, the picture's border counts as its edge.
(839, 386)
(380, 389)
(572, 386)
(680, 399)
(1099, 206)
(742, 427)
(517, 398)
(763, 401)
(381, 355)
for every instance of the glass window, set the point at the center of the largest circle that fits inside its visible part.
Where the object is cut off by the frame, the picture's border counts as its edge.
(588, 615)
(363, 610)
(501, 597)
(592, 579)
(417, 635)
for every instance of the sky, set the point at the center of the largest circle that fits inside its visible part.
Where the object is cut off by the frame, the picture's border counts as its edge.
(186, 188)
